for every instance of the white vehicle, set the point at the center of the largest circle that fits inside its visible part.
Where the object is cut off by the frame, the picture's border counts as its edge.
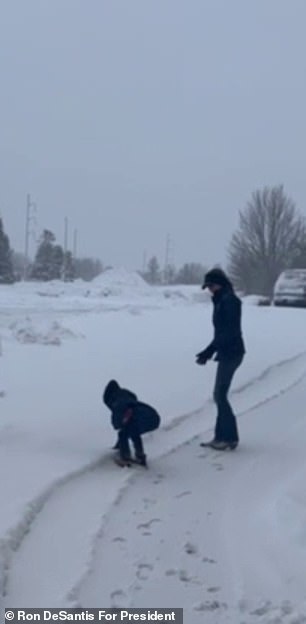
(290, 288)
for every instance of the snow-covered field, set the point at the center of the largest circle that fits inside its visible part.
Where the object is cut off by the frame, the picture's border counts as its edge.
(221, 535)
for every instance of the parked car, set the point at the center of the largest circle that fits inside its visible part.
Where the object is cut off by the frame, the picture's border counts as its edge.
(290, 288)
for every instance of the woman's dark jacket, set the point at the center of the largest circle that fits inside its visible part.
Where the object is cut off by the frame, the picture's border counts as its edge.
(228, 341)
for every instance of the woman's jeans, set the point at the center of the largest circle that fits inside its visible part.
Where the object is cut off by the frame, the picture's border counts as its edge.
(226, 426)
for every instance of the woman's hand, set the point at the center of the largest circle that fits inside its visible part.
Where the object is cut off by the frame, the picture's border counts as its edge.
(201, 358)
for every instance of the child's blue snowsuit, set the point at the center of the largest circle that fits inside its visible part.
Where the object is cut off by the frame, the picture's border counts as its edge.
(131, 418)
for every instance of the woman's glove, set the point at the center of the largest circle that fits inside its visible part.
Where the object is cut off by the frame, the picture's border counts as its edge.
(201, 358)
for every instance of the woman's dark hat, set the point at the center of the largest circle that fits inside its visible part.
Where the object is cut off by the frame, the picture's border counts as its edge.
(215, 276)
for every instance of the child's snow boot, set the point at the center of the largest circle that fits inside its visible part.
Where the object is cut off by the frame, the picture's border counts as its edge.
(141, 460)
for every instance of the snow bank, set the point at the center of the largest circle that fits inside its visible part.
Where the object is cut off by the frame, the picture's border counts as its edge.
(113, 290)
(258, 300)
(26, 332)
(121, 277)
(120, 281)
(184, 294)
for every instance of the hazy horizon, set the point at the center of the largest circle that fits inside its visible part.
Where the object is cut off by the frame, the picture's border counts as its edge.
(136, 120)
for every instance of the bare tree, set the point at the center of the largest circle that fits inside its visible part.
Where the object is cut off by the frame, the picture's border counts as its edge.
(299, 257)
(270, 233)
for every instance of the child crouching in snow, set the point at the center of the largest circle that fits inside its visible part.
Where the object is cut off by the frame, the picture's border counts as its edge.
(131, 418)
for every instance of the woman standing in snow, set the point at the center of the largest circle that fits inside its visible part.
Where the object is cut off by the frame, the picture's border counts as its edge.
(228, 348)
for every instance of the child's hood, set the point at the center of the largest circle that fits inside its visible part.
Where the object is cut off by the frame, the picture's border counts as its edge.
(111, 392)
(114, 393)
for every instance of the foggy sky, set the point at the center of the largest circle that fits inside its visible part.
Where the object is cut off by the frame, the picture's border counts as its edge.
(140, 117)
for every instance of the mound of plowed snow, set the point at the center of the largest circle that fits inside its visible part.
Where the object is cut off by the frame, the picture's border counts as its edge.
(118, 281)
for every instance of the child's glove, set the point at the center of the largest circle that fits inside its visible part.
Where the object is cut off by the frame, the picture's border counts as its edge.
(127, 416)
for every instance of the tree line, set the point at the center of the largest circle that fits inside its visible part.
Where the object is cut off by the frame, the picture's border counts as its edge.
(190, 273)
(271, 237)
(51, 262)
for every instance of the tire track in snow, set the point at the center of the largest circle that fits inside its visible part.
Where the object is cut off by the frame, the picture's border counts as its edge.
(271, 374)
(60, 540)
(85, 498)
(13, 542)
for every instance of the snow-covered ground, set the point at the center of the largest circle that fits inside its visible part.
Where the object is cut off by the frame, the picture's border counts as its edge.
(222, 536)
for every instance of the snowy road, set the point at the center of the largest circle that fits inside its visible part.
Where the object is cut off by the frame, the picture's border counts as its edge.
(221, 535)
(207, 531)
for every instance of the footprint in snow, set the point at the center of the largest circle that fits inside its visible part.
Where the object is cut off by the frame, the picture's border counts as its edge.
(208, 560)
(119, 539)
(143, 571)
(118, 599)
(190, 549)
(147, 525)
(218, 467)
(182, 574)
(157, 481)
(210, 606)
(182, 494)
(184, 577)
(262, 610)
(278, 615)
(213, 590)
(171, 572)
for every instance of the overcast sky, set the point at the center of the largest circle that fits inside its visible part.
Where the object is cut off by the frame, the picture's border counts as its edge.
(140, 117)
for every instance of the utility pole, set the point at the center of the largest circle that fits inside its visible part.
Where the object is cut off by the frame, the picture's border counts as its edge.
(167, 256)
(66, 235)
(144, 262)
(75, 243)
(30, 217)
(65, 248)
(27, 236)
